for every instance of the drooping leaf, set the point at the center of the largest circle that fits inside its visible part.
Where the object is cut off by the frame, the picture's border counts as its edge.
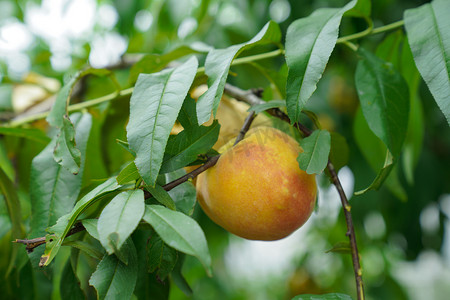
(341, 247)
(218, 64)
(429, 38)
(316, 149)
(161, 258)
(185, 147)
(129, 173)
(309, 44)
(378, 157)
(120, 218)
(53, 189)
(59, 231)
(332, 296)
(384, 98)
(59, 109)
(180, 232)
(162, 196)
(66, 154)
(69, 285)
(32, 134)
(113, 279)
(155, 104)
(395, 49)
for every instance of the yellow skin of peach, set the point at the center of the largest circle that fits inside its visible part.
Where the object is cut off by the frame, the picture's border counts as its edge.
(257, 190)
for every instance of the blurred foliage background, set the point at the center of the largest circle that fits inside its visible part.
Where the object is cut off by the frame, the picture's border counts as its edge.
(403, 230)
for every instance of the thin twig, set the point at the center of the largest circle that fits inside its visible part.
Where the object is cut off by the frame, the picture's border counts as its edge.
(33, 243)
(249, 98)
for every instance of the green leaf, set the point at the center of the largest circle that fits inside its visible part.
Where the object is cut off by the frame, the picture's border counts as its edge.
(378, 156)
(180, 232)
(152, 63)
(258, 108)
(341, 247)
(184, 148)
(395, 49)
(65, 152)
(59, 109)
(120, 218)
(65, 223)
(129, 173)
(316, 149)
(155, 104)
(218, 64)
(69, 285)
(113, 279)
(309, 44)
(162, 196)
(339, 151)
(160, 257)
(14, 210)
(332, 296)
(184, 195)
(429, 38)
(384, 98)
(32, 134)
(53, 189)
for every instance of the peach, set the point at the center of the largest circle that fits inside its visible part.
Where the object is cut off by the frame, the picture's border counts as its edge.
(257, 190)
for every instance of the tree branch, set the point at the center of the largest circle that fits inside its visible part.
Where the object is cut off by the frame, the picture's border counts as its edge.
(251, 99)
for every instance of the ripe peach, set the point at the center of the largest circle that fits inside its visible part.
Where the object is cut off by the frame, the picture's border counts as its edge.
(257, 190)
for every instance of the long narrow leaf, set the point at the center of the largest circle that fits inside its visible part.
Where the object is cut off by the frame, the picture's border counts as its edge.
(384, 98)
(428, 33)
(218, 64)
(155, 104)
(120, 218)
(113, 279)
(53, 189)
(309, 43)
(180, 232)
